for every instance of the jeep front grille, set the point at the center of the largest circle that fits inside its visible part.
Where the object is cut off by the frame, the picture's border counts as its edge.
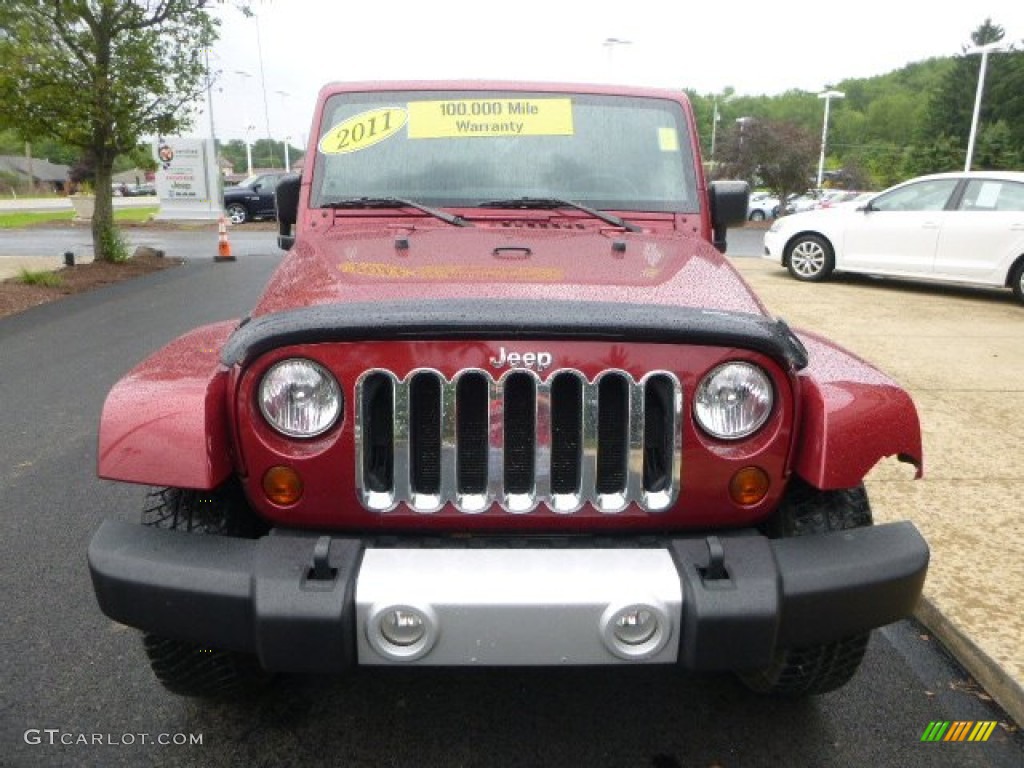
(519, 440)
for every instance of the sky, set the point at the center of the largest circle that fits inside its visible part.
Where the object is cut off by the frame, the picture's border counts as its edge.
(755, 48)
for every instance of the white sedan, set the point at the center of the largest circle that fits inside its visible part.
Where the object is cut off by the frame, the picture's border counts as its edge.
(762, 206)
(951, 227)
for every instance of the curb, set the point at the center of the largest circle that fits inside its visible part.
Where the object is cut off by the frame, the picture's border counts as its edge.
(1006, 692)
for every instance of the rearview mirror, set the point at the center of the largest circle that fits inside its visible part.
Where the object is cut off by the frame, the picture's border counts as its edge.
(286, 204)
(729, 201)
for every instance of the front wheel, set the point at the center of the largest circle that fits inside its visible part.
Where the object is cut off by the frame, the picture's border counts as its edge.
(1017, 281)
(810, 258)
(183, 667)
(757, 215)
(237, 213)
(814, 669)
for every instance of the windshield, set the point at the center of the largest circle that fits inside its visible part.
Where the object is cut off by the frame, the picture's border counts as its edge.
(467, 148)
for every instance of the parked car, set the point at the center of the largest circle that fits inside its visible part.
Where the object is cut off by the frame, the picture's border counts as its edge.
(252, 199)
(762, 206)
(833, 197)
(808, 201)
(139, 190)
(954, 227)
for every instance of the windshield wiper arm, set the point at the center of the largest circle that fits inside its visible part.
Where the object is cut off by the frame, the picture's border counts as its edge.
(558, 202)
(397, 202)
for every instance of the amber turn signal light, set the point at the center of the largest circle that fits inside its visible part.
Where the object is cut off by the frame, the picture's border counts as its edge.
(282, 485)
(749, 486)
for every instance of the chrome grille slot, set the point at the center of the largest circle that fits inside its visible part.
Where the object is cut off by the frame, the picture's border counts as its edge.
(518, 441)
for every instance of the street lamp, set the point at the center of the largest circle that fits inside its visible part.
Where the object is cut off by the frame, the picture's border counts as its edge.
(984, 50)
(827, 96)
(742, 123)
(284, 108)
(249, 129)
(715, 117)
(263, 77)
(610, 43)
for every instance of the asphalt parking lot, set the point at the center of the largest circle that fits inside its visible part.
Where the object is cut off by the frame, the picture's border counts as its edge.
(957, 351)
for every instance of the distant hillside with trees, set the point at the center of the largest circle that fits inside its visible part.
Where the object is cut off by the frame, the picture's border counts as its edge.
(905, 123)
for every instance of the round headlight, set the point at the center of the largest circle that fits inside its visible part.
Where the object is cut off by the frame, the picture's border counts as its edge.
(733, 401)
(300, 398)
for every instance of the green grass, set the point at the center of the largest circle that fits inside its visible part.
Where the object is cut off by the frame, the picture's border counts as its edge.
(27, 218)
(43, 277)
(19, 219)
(135, 214)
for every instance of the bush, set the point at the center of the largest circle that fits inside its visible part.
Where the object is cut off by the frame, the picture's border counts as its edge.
(43, 277)
(113, 246)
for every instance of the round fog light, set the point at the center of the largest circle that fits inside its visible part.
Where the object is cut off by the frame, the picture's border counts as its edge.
(402, 627)
(401, 632)
(636, 631)
(635, 626)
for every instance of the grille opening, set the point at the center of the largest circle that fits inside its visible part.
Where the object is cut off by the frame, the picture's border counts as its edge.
(378, 433)
(520, 432)
(658, 433)
(611, 441)
(566, 433)
(612, 434)
(472, 428)
(425, 433)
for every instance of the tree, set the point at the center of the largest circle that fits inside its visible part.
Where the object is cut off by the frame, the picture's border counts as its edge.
(98, 75)
(951, 106)
(779, 154)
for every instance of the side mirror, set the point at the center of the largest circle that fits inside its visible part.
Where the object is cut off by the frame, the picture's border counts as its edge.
(286, 204)
(729, 201)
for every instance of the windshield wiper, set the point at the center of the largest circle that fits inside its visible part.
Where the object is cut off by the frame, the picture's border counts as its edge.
(558, 202)
(397, 202)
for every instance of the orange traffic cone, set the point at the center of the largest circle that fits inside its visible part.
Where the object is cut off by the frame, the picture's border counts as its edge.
(223, 246)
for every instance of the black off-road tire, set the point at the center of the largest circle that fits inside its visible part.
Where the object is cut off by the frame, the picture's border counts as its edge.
(815, 669)
(182, 667)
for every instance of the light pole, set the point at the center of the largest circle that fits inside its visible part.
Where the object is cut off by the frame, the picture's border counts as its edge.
(263, 77)
(715, 117)
(742, 123)
(610, 43)
(984, 50)
(827, 96)
(284, 95)
(249, 130)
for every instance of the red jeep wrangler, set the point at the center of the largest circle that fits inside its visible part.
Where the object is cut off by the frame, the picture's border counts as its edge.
(504, 403)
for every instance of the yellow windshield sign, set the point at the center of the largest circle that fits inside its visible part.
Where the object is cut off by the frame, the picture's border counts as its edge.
(363, 130)
(467, 118)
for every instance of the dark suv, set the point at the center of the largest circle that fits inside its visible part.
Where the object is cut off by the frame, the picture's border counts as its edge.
(252, 198)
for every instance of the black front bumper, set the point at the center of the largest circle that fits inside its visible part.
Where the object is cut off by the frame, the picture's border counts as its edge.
(285, 599)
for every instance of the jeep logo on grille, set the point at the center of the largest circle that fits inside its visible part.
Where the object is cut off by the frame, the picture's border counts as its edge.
(539, 361)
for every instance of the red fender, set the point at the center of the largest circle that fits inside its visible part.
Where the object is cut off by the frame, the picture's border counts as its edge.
(165, 423)
(852, 415)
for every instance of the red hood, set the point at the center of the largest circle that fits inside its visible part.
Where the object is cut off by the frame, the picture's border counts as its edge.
(349, 265)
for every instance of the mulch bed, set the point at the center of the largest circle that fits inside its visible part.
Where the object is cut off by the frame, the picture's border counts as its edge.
(15, 296)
